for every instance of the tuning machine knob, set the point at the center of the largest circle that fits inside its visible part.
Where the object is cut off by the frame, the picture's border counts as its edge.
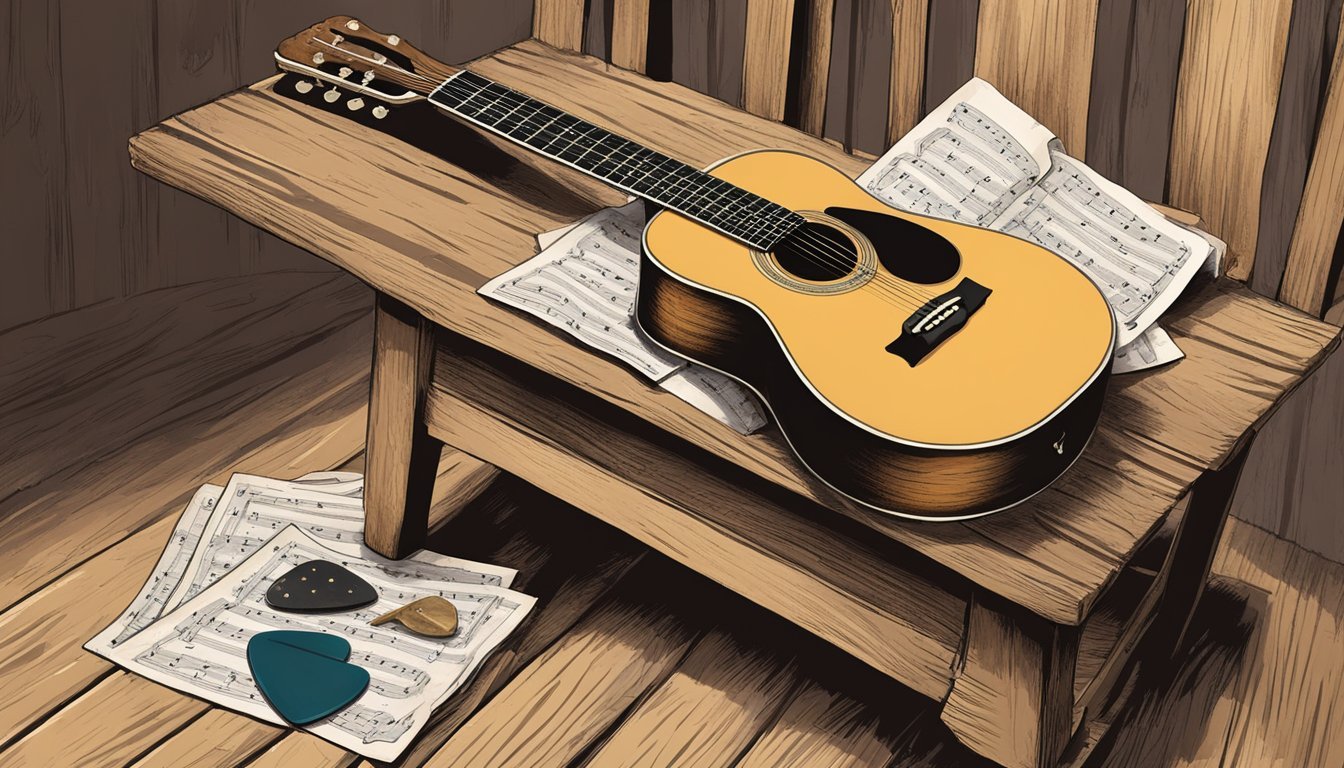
(379, 111)
(303, 86)
(331, 96)
(355, 104)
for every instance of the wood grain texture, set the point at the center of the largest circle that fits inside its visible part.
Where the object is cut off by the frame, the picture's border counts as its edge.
(815, 67)
(1231, 69)
(1291, 141)
(731, 535)
(112, 723)
(1110, 75)
(575, 691)
(1313, 250)
(1161, 430)
(765, 69)
(216, 738)
(1150, 96)
(909, 31)
(706, 713)
(860, 75)
(630, 34)
(821, 728)
(1039, 55)
(950, 52)
(34, 199)
(1012, 700)
(401, 455)
(558, 23)
(36, 544)
(708, 43)
(1289, 709)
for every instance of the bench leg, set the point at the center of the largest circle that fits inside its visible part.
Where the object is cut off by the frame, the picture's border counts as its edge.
(1193, 548)
(1012, 700)
(401, 458)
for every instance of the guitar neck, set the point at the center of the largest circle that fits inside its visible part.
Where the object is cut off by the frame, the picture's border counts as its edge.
(741, 215)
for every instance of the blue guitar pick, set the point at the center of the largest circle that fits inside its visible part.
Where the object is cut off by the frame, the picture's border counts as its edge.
(304, 675)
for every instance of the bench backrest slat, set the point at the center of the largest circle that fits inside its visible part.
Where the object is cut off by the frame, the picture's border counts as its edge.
(1321, 214)
(1212, 106)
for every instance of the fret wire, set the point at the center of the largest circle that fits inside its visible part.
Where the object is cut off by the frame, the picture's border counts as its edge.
(680, 186)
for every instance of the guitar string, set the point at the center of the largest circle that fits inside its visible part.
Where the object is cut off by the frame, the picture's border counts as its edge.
(828, 254)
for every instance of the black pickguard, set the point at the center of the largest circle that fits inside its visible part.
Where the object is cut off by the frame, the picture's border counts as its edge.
(904, 248)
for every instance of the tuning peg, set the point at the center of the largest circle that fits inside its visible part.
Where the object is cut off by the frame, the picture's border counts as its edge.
(393, 39)
(318, 58)
(368, 78)
(303, 86)
(355, 104)
(346, 72)
(331, 96)
(379, 111)
(352, 25)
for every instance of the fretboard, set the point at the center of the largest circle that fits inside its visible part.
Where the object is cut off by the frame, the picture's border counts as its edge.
(641, 171)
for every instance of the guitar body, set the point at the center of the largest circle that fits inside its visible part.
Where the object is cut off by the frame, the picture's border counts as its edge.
(943, 424)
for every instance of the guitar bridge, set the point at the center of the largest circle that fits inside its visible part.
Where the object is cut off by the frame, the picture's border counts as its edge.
(938, 320)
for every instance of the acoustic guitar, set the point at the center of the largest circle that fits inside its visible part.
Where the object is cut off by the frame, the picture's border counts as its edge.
(926, 368)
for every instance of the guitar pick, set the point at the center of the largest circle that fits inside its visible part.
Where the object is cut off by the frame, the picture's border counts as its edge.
(304, 675)
(431, 616)
(318, 586)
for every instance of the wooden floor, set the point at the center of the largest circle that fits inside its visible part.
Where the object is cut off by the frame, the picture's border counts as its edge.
(113, 415)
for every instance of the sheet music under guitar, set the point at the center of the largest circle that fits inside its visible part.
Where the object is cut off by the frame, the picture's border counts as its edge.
(978, 159)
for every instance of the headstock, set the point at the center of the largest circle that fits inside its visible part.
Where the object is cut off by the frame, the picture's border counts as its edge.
(345, 53)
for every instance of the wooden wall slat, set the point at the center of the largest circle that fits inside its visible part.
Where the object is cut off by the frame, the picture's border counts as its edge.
(1110, 80)
(630, 35)
(1321, 215)
(1231, 67)
(1290, 142)
(1038, 53)
(860, 75)
(1154, 69)
(815, 74)
(108, 94)
(909, 31)
(558, 23)
(34, 207)
(197, 58)
(597, 31)
(950, 55)
(765, 69)
(708, 44)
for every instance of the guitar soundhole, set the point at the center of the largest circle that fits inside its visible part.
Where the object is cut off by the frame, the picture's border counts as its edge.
(817, 253)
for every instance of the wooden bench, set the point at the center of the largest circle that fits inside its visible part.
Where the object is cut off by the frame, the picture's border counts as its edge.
(1020, 623)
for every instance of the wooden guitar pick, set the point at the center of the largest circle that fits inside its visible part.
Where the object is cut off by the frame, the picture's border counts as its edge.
(431, 616)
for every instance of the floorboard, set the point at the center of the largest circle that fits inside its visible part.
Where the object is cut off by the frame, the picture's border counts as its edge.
(627, 659)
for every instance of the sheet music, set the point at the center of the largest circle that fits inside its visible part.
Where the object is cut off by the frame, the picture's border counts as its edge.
(152, 599)
(718, 395)
(584, 282)
(1150, 350)
(981, 160)
(252, 509)
(200, 647)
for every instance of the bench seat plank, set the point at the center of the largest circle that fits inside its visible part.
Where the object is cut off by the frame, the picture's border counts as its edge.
(431, 221)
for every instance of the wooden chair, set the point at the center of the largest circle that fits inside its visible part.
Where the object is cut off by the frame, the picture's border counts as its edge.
(1021, 624)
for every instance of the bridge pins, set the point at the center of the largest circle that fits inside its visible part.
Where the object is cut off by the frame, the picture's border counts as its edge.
(355, 104)
(380, 111)
(331, 96)
(303, 86)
